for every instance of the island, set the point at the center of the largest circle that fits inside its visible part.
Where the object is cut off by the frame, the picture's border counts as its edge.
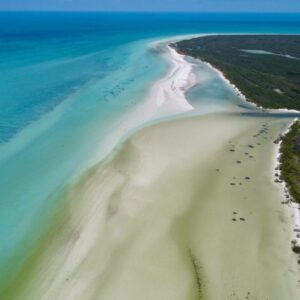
(266, 70)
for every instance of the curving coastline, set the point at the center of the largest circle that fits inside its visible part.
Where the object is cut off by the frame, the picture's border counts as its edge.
(189, 47)
(165, 98)
(171, 201)
(167, 95)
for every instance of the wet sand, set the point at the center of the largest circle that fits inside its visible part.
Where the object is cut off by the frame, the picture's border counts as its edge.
(177, 213)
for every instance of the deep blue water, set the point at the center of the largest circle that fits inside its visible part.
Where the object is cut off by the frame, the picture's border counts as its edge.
(44, 57)
(66, 78)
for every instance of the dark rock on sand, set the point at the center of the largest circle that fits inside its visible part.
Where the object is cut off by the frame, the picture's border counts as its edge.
(296, 249)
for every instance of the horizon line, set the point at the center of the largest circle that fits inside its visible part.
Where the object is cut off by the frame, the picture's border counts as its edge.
(148, 11)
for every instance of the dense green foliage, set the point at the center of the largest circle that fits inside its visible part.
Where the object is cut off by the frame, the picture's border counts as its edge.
(290, 160)
(271, 81)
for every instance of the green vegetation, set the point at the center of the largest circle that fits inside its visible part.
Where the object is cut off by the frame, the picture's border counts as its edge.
(266, 69)
(290, 161)
(269, 80)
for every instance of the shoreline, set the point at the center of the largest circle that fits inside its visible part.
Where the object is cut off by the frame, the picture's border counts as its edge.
(136, 209)
(168, 92)
(289, 200)
(292, 204)
(244, 98)
(164, 99)
(223, 76)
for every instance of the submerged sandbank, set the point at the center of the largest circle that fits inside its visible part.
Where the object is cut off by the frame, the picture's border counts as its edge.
(177, 213)
(165, 98)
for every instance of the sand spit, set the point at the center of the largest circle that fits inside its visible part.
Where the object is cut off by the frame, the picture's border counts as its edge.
(162, 220)
(165, 99)
(178, 81)
(167, 95)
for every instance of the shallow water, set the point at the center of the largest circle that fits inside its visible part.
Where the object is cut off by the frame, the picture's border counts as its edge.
(268, 53)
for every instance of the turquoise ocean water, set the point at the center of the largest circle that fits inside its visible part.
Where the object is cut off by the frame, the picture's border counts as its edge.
(66, 80)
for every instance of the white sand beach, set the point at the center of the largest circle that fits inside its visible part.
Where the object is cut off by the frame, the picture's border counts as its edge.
(165, 98)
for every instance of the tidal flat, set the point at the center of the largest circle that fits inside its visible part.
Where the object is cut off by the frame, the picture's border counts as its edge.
(173, 215)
